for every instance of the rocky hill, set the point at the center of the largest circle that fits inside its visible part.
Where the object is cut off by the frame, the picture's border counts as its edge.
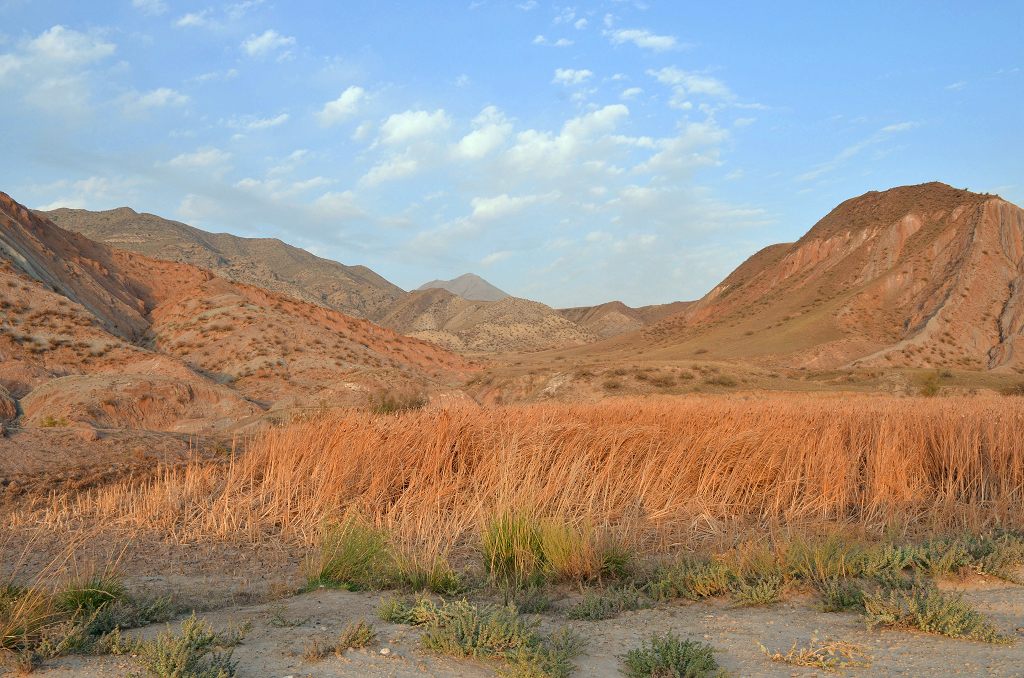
(263, 262)
(915, 276)
(468, 286)
(462, 325)
(614, 317)
(111, 337)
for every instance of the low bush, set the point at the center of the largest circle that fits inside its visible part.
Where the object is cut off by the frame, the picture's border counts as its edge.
(928, 609)
(662, 656)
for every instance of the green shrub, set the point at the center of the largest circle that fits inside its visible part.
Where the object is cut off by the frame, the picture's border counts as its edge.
(840, 595)
(90, 594)
(668, 656)
(928, 609)
(758, 590)
(597, 606)
(693, 579)
(192, 653)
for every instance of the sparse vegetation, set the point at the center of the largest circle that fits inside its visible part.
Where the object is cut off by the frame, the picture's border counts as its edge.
(926, 608)
(196, 651)
(392, 401)
(354, 636)
(604, 605)
(669, 655)
(829, 655)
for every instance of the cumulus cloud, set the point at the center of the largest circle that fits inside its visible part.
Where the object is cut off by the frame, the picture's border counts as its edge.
(267, 43)
(571, 76)
(342, 108)
(64, 45)
(554, 153)
(643, 38)
(685, 84)
(491, 129)
(390, 170)
(410, 125)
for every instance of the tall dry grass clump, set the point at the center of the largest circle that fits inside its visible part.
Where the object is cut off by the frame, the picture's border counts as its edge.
(649, 473)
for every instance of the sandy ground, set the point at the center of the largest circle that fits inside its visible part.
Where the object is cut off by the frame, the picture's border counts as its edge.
(270, 650)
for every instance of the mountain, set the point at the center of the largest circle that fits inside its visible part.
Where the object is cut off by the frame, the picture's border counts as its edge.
(114, 338)
(263, 262)
(463, 325)
(915, 276)
(468, 286)
(614, 317)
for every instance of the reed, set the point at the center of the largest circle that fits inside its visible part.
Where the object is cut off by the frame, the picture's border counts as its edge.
(646, 474)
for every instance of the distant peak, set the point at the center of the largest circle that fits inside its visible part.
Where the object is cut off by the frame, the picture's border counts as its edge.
(468, 286)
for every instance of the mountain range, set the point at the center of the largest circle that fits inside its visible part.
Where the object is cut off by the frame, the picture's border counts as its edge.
(155, 324)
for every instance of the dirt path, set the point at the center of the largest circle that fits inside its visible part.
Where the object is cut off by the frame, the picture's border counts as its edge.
(272, 650)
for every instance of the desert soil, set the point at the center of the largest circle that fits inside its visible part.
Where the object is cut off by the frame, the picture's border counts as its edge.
(272, 650)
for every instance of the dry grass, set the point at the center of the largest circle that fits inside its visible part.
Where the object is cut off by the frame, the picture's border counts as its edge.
(647, 474)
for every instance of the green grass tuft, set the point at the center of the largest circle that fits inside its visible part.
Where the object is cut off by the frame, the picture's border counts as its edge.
(354, 555)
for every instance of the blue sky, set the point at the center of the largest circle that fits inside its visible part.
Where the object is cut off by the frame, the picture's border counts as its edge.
(569, 153)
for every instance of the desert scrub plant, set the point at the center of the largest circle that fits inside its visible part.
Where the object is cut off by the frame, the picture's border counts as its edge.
(354, 555)
(354, 636)
(668, 656)
(596, 606)
(758, 590)
(840, 595)
(690, 578)
(829, 655)
(391, 401)
(461, 629)
(194, 652)
(928, 609)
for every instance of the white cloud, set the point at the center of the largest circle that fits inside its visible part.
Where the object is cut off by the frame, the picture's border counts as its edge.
(154, 7)
(64, 45)
(643, 38)
(631, 93)
(561, 42)
(390, 170)
(959, 84)
(162, 97)
(268, 42)
(207, 158)
(500, 206)
(581, 24)
(687, 83)
(337, 205)
(195, 20)
(528, 5)
(491, 131)
(93, 193)
(550, 154)
(571, 76)
(403, 127)
(254, 124)
(342, 108)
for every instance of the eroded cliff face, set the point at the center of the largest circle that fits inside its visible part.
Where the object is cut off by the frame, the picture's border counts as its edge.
(917, 276)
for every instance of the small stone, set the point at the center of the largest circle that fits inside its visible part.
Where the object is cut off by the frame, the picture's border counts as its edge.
(385, 651)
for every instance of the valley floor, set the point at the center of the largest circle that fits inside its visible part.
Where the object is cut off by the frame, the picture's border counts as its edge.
(269, 650)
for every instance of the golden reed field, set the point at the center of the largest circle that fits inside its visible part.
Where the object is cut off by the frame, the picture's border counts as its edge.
(649, 472)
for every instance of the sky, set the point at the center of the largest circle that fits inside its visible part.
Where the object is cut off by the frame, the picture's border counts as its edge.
(568, 153)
